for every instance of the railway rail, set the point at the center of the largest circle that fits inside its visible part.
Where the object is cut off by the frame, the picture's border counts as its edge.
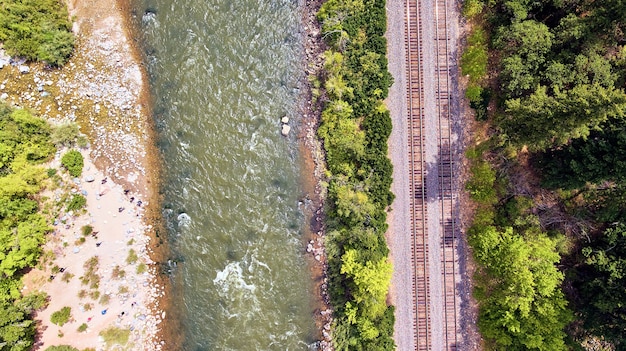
(435, 305)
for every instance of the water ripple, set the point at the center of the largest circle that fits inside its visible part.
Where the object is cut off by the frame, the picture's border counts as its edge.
(223, 73)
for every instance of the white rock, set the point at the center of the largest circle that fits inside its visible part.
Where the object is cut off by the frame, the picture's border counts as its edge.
(285, 119)
(285, 130)
(4, 96)
(23, 69)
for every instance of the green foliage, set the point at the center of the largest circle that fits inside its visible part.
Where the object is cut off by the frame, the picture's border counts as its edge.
(83, 327)
(86, 230)
(61, 348)
(17, 329)
(61, 316)
(115, 336)
(37, 29)
(600, 281)
(65, 134)
(596, 159)
(76, 203)
(474, 58)
(472, 8)
(73, 162)
(355, 127)
(132, 257)
(521, 304)
(481, 183)
(141, 268)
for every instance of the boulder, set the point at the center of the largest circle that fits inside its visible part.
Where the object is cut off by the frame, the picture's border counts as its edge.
(285, 119)
(285, 130)
(23, 69)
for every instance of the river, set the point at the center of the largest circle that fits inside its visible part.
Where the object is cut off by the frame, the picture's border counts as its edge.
(222, 74)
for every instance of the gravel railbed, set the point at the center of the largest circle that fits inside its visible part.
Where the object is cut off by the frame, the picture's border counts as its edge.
(399, 236)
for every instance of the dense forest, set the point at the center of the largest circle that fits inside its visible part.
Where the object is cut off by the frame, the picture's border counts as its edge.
(355, 127)
(546, 80)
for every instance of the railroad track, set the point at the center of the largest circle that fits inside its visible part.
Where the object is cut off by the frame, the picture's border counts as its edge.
(433, 245)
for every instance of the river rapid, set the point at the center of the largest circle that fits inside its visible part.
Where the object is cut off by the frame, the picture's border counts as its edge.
(222, 75)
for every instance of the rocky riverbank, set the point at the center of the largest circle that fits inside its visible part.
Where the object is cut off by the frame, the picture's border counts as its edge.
(315, 166)
(103, 89)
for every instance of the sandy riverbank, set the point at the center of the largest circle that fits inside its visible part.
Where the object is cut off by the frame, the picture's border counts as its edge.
(103, 89)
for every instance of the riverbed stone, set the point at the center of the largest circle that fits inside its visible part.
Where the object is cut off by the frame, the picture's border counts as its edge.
(285, 130)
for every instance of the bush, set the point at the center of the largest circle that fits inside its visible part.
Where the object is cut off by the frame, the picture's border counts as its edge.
(61, 316)
(39, 30)
(73, 162)
(115, 336)
(474, 58)
(62, 348)
(65, 134)
(141, 268)
(481, 183)
(472, 8)
(83, 327)
(76, 203)
(132, 257)
(86, 230)
(118, 273)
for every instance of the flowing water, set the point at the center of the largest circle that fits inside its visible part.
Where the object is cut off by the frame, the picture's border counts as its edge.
(223, 73)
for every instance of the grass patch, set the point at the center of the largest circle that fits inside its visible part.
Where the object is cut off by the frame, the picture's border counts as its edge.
(115, 336)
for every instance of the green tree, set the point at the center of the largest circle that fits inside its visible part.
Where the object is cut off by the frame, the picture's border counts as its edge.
(600, 282)
(17, 330)
(521, 304)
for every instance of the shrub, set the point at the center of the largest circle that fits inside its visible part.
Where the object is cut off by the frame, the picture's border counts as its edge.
(67, 276)
(39, 30)
(104, 299)
(118, 273)
(472, 8)
(481, 183)
(132, 257)
(73, 162)
(62, 348)
(94, 294)
(86, 230)
(82, 327)
(474, 58)
(76, 203)
(61, 316)
(141, 268)
(64, 135)
(113, 336)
